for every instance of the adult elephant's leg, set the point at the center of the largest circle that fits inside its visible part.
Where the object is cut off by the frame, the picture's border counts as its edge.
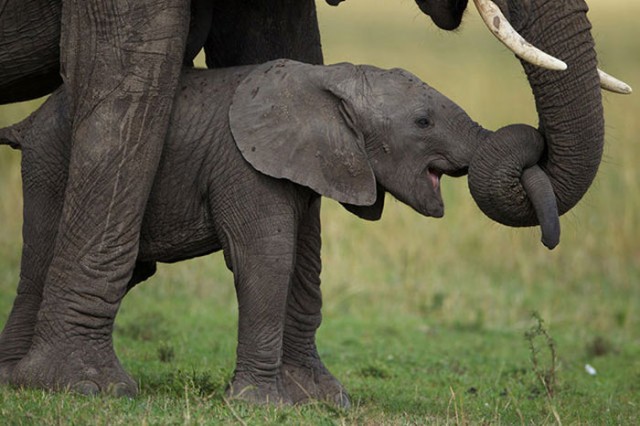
(120, 62)
(304, 375)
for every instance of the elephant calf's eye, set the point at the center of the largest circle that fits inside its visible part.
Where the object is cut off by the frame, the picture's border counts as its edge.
(423, 122)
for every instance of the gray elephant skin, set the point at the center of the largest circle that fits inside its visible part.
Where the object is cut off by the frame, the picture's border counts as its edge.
(121, 76)
(244, 175)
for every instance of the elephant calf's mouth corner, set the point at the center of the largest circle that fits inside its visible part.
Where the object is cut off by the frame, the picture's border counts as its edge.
(434, 176)
(436, 171)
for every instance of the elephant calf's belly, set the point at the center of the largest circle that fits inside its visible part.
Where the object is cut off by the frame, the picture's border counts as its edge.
(177, 244)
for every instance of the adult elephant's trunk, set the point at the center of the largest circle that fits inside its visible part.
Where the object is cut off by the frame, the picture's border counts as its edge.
(570, 113)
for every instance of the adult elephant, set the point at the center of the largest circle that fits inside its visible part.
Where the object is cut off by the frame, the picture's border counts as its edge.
(120, 61)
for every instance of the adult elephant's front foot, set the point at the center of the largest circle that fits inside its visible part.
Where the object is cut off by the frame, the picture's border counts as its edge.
(82, 367)
(307, 384)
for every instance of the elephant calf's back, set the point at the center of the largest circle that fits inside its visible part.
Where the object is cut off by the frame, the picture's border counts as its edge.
(198, 151)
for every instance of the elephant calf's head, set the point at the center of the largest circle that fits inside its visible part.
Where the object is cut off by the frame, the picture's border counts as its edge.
(352, 132)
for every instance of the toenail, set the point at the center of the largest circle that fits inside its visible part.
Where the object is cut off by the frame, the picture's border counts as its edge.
(86, 387)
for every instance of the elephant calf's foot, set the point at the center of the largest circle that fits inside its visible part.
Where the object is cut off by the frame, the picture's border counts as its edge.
(8, 360)
(12, 350)
(80, 368)
(305, 384)
(6, 371)
(244, 387)
(17, 336)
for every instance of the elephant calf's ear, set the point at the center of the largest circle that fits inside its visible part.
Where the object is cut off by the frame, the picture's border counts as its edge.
(288, 124)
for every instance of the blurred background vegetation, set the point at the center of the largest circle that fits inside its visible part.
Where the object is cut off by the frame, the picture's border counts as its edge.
(409, 273)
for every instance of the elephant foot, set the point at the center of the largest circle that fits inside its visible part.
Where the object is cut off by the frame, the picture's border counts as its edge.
(9, 357)
(12, 349)
(17, 336)
(245, 387)
(79, 368)
(6, 371)
(305, 384)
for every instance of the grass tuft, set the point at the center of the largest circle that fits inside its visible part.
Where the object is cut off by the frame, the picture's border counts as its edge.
(546, 375)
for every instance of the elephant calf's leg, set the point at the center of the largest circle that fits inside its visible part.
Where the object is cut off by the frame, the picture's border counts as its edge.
(304, 375)
(262, 261)
(44, 176)
(17, 335)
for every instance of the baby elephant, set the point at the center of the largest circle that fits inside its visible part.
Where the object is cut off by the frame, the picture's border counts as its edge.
(249, 153)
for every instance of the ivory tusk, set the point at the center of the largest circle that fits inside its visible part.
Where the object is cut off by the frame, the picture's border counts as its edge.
(502, 29)
(612, 84)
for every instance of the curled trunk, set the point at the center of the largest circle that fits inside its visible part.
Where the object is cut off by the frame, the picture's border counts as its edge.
(569, 106)
(569, 103)
(506, 176)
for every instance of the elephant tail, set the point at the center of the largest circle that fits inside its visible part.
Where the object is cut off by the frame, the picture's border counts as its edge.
(47, 126)
(12, 135)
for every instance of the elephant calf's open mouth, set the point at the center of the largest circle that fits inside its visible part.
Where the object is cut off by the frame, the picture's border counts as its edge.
(434, 205)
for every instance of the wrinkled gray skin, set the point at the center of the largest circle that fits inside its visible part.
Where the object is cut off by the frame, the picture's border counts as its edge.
(244, 176)
(122, 80)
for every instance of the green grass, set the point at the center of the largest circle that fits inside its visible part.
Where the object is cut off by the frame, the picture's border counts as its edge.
(427, 326)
